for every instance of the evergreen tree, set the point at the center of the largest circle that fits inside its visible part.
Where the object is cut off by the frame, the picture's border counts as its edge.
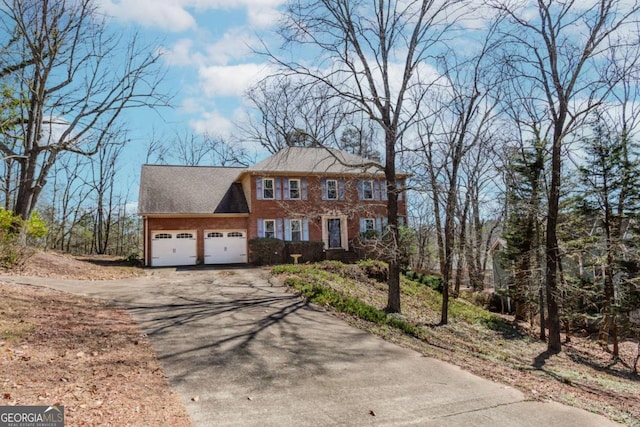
(523, 228)
(611, 184)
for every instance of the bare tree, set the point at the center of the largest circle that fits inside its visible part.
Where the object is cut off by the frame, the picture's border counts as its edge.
(291, 113)
(368, 56)
(192, 149)
(561, 52)
(457, 119)
(77, 79)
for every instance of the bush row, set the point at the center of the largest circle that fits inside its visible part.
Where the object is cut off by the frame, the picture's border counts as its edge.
(269, 251)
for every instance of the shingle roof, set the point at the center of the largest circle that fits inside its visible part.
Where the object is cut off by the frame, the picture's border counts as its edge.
(315, 160)
(190, 190)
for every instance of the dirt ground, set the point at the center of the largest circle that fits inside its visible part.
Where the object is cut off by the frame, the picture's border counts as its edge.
(60, 349)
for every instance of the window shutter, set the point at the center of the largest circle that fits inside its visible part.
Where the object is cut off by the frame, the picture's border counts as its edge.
(303, 184)
(287, 229)
(400, 187)
(260, 227)
(363, 225)
(278, 195)
(360, 189)
(279, 226)
(341, 189)
(286, 194)
(305, 229)
(376, 190)
(383, 190)
(323, 185)
(259, 188)
(379, 225)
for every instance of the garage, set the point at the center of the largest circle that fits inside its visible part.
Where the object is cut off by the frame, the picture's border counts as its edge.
(169, 248)
(225, 246)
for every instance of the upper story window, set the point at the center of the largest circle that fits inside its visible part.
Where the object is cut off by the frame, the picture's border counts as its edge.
(367, 190)
(270, 228)
(267, 188)
(294, 189)
(332, 189)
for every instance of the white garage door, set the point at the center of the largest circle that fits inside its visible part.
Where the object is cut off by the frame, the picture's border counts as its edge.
(173, 248)
(225, 247)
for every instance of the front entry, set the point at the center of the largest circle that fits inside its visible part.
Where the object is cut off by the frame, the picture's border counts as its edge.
(335, 234)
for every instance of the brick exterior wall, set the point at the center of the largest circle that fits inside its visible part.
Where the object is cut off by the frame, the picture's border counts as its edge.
(314, 206)
(312, 209)
(199, 224)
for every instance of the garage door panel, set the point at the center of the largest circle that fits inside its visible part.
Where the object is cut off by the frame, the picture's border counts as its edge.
(169, 248)
(225, 247)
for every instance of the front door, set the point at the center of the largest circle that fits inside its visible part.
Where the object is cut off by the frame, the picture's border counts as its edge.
(335, 233)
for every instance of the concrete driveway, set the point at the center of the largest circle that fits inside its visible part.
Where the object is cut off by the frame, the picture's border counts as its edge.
(241, 351)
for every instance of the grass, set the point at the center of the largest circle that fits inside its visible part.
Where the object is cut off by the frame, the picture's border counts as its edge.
(485, 343)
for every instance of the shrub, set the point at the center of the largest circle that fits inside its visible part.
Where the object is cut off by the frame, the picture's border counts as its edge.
(312, 251)
(266, 251)
(376, 270)
(14, 232)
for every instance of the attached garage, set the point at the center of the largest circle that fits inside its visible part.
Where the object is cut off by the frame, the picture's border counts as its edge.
(225, 246)
(169, 248)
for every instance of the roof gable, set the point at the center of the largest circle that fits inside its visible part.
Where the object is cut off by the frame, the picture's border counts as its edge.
(190, 190)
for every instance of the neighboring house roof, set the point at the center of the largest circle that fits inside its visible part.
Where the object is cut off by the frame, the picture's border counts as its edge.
(190, 190)
(315, 160)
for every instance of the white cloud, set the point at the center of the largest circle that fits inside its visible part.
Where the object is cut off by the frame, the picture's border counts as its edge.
(234, 44)
(232, 80)
(213, 123)
(169, 15)
(174, 15)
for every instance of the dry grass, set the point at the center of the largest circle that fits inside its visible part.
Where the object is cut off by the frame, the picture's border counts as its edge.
(491, 346)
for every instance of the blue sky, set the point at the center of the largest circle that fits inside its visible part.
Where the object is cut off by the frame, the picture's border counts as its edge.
(206, 51)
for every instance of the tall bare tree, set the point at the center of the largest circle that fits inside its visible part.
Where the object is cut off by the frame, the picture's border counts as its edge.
(76, 77)
(367, 56)
(561, 52)
(457, 119)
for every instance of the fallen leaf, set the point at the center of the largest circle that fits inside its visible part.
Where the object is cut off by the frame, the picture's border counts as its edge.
(7, 396)
(195, 398)
(373, 414)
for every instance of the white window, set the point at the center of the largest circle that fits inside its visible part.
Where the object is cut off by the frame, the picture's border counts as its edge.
(294, 189)
(296, 230)
(270, 228)
(235, 234)
(367, 190)
(184, 236)
(267, 188)
(162, 236)
(215, 234)
(369, 224)
(332, 189)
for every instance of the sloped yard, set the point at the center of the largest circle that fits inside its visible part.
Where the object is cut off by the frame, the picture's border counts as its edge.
(59, 349)
(486, 344)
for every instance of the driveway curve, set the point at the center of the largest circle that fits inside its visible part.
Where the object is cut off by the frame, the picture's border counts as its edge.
(241, 351)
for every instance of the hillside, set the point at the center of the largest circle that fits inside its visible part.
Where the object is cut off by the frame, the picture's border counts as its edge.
(489, 345)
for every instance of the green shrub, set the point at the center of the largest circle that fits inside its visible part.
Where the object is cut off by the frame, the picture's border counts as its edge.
(266, 251)
(14, 233)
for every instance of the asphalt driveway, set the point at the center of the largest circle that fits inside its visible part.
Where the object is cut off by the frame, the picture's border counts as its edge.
(241, 351)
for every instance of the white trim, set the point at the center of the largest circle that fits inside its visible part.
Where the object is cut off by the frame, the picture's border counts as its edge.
(344, 231)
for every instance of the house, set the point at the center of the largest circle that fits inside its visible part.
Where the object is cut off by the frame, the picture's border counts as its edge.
(207, 215)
